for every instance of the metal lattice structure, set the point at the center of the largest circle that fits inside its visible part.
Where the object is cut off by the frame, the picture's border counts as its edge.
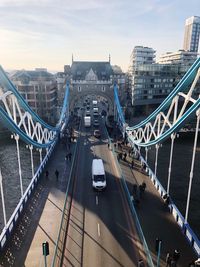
(170, 116)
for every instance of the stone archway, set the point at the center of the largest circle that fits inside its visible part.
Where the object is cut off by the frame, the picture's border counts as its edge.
(74, 98)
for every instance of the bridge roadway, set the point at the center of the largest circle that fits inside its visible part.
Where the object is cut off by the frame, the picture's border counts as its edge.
(101, 232)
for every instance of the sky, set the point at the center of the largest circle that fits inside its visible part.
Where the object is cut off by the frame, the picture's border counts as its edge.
(45, 33)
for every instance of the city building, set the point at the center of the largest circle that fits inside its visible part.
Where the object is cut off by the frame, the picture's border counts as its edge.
(192, 33)
(179, 57)
(142, 55)
(38, 88)
(152, 82)
(149, 82)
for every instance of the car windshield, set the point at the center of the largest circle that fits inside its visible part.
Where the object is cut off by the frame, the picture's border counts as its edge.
(99, 178)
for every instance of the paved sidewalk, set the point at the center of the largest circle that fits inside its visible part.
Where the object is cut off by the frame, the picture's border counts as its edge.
(155, 219)
(49, 222)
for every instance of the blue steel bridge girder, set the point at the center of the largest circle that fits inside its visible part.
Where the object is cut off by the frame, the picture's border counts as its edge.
(166, 119)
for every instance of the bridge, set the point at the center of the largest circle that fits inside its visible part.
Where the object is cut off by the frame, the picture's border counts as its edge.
(85, 227)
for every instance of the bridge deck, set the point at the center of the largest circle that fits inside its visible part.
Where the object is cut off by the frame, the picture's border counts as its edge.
(44, 215)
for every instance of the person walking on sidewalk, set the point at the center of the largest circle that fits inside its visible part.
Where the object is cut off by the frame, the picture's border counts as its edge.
(47, 174)
(115, 146)
(125, 155)
(70, 156)
(56, 174)
(197, 262)
(135, 189)
(168, 260)
(176, 256)
(141, 263)
(132, 164)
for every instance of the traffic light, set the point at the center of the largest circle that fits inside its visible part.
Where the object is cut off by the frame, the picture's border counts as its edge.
(45, 248)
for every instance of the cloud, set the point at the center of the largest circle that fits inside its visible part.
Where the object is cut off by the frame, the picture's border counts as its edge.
(88, 27)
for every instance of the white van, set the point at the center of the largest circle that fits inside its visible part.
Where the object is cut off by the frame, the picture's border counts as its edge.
(94, 102)
(95, 110)
(98, 174)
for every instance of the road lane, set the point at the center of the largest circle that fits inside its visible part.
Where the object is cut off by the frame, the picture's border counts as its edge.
(101, 235)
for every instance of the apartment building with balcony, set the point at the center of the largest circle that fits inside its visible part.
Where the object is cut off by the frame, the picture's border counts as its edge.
(39, 89)
(179, 57)
(152, 82)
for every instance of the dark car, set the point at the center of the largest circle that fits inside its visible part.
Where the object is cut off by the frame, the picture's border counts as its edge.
(96, 123)
(97, 133)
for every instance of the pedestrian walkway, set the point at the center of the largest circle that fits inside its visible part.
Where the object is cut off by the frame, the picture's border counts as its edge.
(155, 219)
(49, 222)
(41, 219)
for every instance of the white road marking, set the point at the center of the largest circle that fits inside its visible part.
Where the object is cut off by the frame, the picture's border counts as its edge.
(98, 228)
(97, 200)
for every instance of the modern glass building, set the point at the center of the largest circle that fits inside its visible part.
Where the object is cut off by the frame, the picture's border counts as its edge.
(192, 33)
(152, 82)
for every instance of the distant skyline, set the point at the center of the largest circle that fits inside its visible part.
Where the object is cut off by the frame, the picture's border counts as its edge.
(46, 33)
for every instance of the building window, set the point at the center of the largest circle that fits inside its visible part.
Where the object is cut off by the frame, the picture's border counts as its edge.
(103, 89)
(79, 89)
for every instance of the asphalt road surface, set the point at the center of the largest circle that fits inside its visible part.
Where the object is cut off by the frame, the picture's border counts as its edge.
(101, 231)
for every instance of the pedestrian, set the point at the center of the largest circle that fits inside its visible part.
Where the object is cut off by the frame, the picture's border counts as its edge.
(120, 145)
(144, 186)
(66, 157)
(108, 145)
(138, 155)
(143, 167)
(141, 191)
(173, 263)
(141, 263)
(70, 156)
(192, 264)
(168, 260)
(197, 262)
(125, 155)
(132, 163)
(176, 255)
(136, 202)
(166, 199)
(56, 174)
(134, 189)
(47, 174)
(115, 146)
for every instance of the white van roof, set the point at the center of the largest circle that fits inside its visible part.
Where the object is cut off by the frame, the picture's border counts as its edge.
(97, 167)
